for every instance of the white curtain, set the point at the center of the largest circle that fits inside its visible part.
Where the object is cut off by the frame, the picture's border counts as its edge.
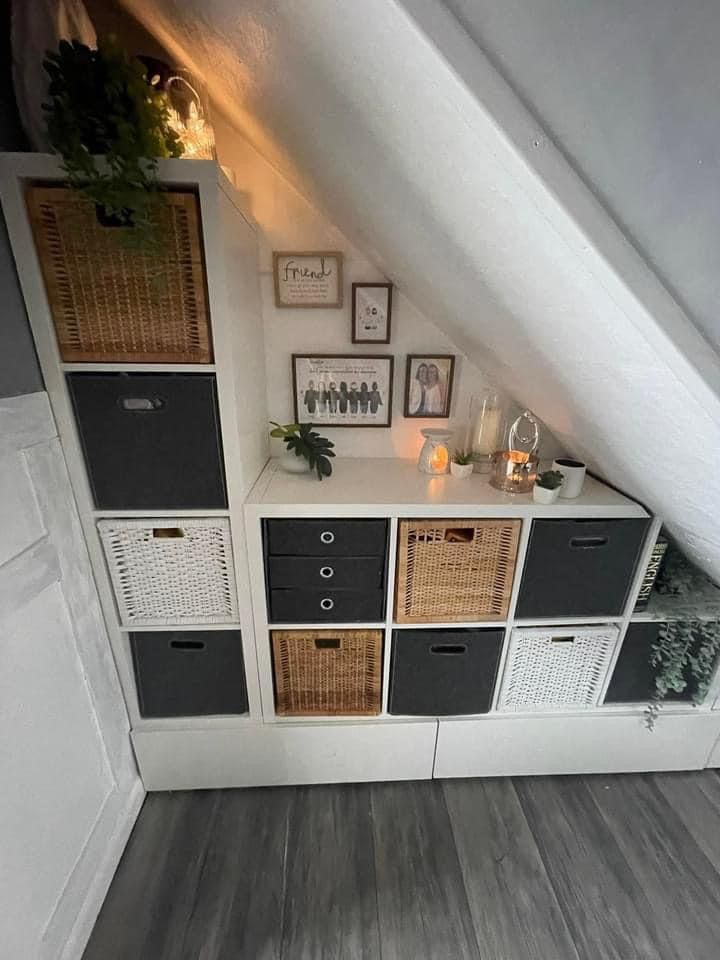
(38, 26)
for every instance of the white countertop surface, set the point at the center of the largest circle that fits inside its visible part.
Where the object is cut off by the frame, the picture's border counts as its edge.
(390, 487)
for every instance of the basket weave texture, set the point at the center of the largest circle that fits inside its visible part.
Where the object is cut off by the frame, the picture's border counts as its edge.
(167, 572)
(455, 570)
(326, 673)
(113, 303)
(556, 668)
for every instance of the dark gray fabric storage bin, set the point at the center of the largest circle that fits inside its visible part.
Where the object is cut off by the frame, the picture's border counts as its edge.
(150, 441)
(580, 568)
(189, 673)
(443, 672)
(633, 679)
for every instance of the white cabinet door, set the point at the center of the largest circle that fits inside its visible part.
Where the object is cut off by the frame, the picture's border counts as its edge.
(70, 790)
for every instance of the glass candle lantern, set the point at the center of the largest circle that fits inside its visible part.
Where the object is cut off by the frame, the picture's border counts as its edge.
(434, 457)
(514, 470)
(485, 429)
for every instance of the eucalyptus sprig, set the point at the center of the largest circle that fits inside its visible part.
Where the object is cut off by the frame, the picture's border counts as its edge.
(300, 438)
(686, 650)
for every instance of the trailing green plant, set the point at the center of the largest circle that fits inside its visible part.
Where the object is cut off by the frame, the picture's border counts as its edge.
(685, 651)
(462, 458)
(549, 479)
(109, 126)
(300, 438)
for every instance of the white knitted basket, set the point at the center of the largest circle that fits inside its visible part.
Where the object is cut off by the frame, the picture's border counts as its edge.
(551, 668)
(171, 571)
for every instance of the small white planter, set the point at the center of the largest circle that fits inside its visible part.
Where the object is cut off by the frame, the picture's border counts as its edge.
(461, 470)
(543, 495)
(292, 464)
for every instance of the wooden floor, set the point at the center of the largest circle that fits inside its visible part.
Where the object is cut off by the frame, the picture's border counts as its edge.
(563, 868)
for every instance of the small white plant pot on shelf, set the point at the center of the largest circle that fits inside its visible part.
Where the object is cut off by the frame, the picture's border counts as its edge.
(461, 470)
(293, 464)
(543, 495)
(573, 472)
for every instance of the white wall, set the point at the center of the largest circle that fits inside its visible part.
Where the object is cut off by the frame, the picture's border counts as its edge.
(287, 221)
(629, 91)
(70, 790)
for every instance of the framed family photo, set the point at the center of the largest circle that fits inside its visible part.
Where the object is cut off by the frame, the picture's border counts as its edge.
(308, 279)
(343, 391)
(371, 310)
(428, 385)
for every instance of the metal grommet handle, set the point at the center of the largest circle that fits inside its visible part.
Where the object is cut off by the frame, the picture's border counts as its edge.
(327, 536)
(326, 603)
(327, 572)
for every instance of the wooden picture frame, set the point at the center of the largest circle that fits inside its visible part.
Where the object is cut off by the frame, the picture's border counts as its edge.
(426, 400)
(342, 390)
(371, 312)
(308, 280)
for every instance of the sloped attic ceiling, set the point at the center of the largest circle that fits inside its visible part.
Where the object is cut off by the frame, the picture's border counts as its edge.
(387, 116)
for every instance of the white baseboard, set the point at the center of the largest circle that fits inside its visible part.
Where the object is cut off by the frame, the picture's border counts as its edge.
(114, 841)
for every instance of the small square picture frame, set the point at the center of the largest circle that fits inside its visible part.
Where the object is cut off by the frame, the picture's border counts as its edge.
(428, 392)
(371, 312)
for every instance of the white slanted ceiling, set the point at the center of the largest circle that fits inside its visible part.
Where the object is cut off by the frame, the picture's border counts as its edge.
(387, 116)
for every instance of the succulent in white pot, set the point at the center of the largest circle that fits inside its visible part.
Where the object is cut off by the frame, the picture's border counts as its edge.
(461, 464)
(547, 486)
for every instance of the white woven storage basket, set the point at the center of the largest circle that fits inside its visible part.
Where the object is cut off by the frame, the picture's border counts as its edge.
(171, 571)
(550, 668)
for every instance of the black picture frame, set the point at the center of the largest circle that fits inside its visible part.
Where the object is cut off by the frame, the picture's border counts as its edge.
(345, 369)
(411, 410)
(357, 318)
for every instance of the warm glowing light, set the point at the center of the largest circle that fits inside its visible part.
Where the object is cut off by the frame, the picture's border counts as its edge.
(439, 459)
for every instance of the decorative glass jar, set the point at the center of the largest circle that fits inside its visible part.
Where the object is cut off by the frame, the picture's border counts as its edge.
(485, 429)
(514, 470)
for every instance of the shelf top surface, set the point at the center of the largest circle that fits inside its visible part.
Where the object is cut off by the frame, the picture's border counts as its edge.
(365, 487)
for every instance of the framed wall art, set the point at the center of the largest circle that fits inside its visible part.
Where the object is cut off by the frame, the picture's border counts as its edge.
(343, 391)
(428, 385)
(371, 310)
(308, 279)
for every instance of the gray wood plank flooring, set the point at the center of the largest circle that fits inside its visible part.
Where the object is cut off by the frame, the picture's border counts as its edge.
(548, 868)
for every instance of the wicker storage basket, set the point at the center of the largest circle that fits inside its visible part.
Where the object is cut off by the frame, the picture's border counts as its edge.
(450, 571)
(327, 672)
(167, 572)
(547, 669)
(113, 303)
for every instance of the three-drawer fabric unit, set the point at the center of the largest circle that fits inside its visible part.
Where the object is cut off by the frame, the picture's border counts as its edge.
(326, 570)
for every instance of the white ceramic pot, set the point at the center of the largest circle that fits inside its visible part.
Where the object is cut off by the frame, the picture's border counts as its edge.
(573, 472)
(292, 464)
(461, 470)
(543, 495)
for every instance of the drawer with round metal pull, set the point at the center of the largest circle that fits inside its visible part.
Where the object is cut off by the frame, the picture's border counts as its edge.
(327, 606)
(341, 573)
(326, 538)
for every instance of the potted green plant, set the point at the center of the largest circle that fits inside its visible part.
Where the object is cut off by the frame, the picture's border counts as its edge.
(304, 449)
(686, 650)
(461, 464)
(109, 125)
(547, 486)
